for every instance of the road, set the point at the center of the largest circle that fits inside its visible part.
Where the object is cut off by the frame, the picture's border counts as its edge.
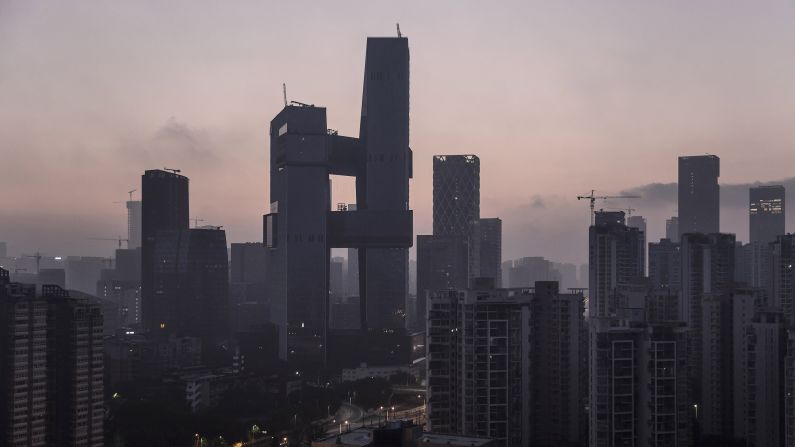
(357, 417)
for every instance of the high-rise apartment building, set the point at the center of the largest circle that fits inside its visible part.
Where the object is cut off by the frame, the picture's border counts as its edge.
(508, 364)
(23, 365)
(614, 259)
(707, 274)
(639, 384)
(781, 288)
(441, 265)
(75, 365)
(51, 367)
(478, 369)
(766, 210)
(558, 367)
(699, 194)
(164, 207)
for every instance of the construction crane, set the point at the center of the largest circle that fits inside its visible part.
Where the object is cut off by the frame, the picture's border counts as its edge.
(196, 221)
(628, 211)
(37, 256)
(593, 198)
(284, 91)
(130, 193)
(118, 239)
(175, 171)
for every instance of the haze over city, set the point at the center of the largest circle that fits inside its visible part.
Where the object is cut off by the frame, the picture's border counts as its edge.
(555, 99)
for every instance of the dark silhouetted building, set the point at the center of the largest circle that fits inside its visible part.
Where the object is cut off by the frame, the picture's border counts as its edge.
(614, 260)
(639, 384)
(51, 367)
(478, 368)
(441, 265)
(639, 222)
(133, 224)
(75, 365)
(23, 365)
(766, 213)
(781, 291)
(524, 272)
(672, 229)
(83, 272)
(248, 278)
(336, 268)
(164, 207)
(485, 249)
(699, 194)
(707, 274)
(56, 277)
(300, 229)
(509, 364)
(191, 283)
(456, 194)
(558, 367)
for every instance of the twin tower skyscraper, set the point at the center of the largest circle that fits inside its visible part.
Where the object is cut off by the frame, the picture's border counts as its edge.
(301, 228)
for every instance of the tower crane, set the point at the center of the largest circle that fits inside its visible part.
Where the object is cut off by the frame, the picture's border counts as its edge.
(118, 239)
(37, 256)
(175, 171)
(629, 211)
(196, 221)
(593, 198)
(131, 193)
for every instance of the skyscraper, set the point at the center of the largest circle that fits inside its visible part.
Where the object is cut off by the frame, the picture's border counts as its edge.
(672, 229)
(485, 249)
(508, 364)
(456, 194)
(441, 265)
(75, 368)
(23, 365)
(164, 207)
(478, 373)
(639, 222)
(191, 282)
(133, 224)
(766, 210)
(558, 367)
(707, 274)
(782, 277)
(51, 367)
(699, 194)
(639, 385)
(301, 229)
(614, 259)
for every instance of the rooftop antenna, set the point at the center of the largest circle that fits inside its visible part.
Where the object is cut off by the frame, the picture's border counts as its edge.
(284, 91)
(398, 29)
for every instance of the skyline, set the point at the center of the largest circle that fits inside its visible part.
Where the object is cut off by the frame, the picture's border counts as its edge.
(91, 120)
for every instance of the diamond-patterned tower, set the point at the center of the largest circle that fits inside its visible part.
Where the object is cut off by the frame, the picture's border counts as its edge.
(456, 194)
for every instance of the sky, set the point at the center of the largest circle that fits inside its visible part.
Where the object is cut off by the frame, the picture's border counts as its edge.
(556, 98)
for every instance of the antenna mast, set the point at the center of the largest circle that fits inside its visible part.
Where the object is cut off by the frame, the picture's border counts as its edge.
(284, 91)
(398, 30)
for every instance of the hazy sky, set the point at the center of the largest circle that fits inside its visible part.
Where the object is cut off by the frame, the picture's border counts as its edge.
(556, 99)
